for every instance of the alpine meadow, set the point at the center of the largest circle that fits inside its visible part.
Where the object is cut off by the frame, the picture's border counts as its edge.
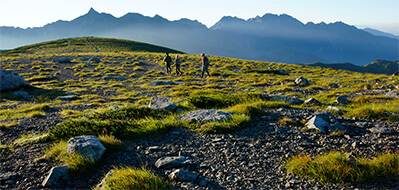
(97, 110)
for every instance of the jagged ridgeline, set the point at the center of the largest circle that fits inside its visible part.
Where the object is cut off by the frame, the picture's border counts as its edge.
(88, 44)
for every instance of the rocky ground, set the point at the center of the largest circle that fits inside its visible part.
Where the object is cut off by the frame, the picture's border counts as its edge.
(251, 158)
(247, 159)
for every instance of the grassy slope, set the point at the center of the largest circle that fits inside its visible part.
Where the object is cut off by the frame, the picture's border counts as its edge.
(88, 44)
(233, 88)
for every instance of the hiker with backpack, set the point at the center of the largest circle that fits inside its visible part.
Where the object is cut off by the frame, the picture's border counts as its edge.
(168, 61)
(205, 65)
(177, 65)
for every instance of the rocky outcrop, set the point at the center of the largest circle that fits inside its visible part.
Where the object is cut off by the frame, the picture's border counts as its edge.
(10, 81)
(162, 103)
(88, 146)
(205, 116)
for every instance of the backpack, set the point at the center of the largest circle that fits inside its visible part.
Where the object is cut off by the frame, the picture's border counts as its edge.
(206, 61)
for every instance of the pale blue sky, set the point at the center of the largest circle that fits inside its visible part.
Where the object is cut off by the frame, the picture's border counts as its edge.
(378, 14)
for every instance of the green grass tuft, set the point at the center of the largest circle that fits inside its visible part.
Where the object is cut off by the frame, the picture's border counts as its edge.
(124, 123)
(110, 142)
(234, 123)
(336, 167)
(132, 178)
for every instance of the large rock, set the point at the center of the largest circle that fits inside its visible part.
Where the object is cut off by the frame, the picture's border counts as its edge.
(87, 146)
(392, 94)
(325, 122)
(317, 122)
(10, 80)
(205, 116)
(183, 175)
(162, 103)
(57, 176)
(342, 100)
(173, 162)
(287, 99)
(302, 81)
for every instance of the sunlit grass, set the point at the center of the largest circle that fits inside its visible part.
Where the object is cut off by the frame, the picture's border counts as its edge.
(132, 178)
(336, 167)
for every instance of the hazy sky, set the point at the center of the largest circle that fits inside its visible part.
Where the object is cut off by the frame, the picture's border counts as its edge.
(378, 14)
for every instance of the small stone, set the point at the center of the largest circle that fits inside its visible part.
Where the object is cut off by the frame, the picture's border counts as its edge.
(183, 175)
(302, 81)
(172, 162)
(163, 102)
(312, 101)
(57, 176)
(380, 130)
(287, 99)
(333, 109)
(342, 100)
(153, 148)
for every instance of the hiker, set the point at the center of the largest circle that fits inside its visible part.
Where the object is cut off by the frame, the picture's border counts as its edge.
(205, 65)
(177, 65)
(168, 60)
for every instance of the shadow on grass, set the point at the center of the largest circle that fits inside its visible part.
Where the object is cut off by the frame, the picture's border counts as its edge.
(37, 94)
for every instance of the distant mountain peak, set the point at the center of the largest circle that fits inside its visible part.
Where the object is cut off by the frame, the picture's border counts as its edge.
(92, 11)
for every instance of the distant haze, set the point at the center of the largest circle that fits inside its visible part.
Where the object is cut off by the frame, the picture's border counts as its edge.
(271, 37)
(382, 14)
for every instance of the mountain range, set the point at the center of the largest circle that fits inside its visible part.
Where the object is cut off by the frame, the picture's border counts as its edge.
(375, 67)
(273, 38)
